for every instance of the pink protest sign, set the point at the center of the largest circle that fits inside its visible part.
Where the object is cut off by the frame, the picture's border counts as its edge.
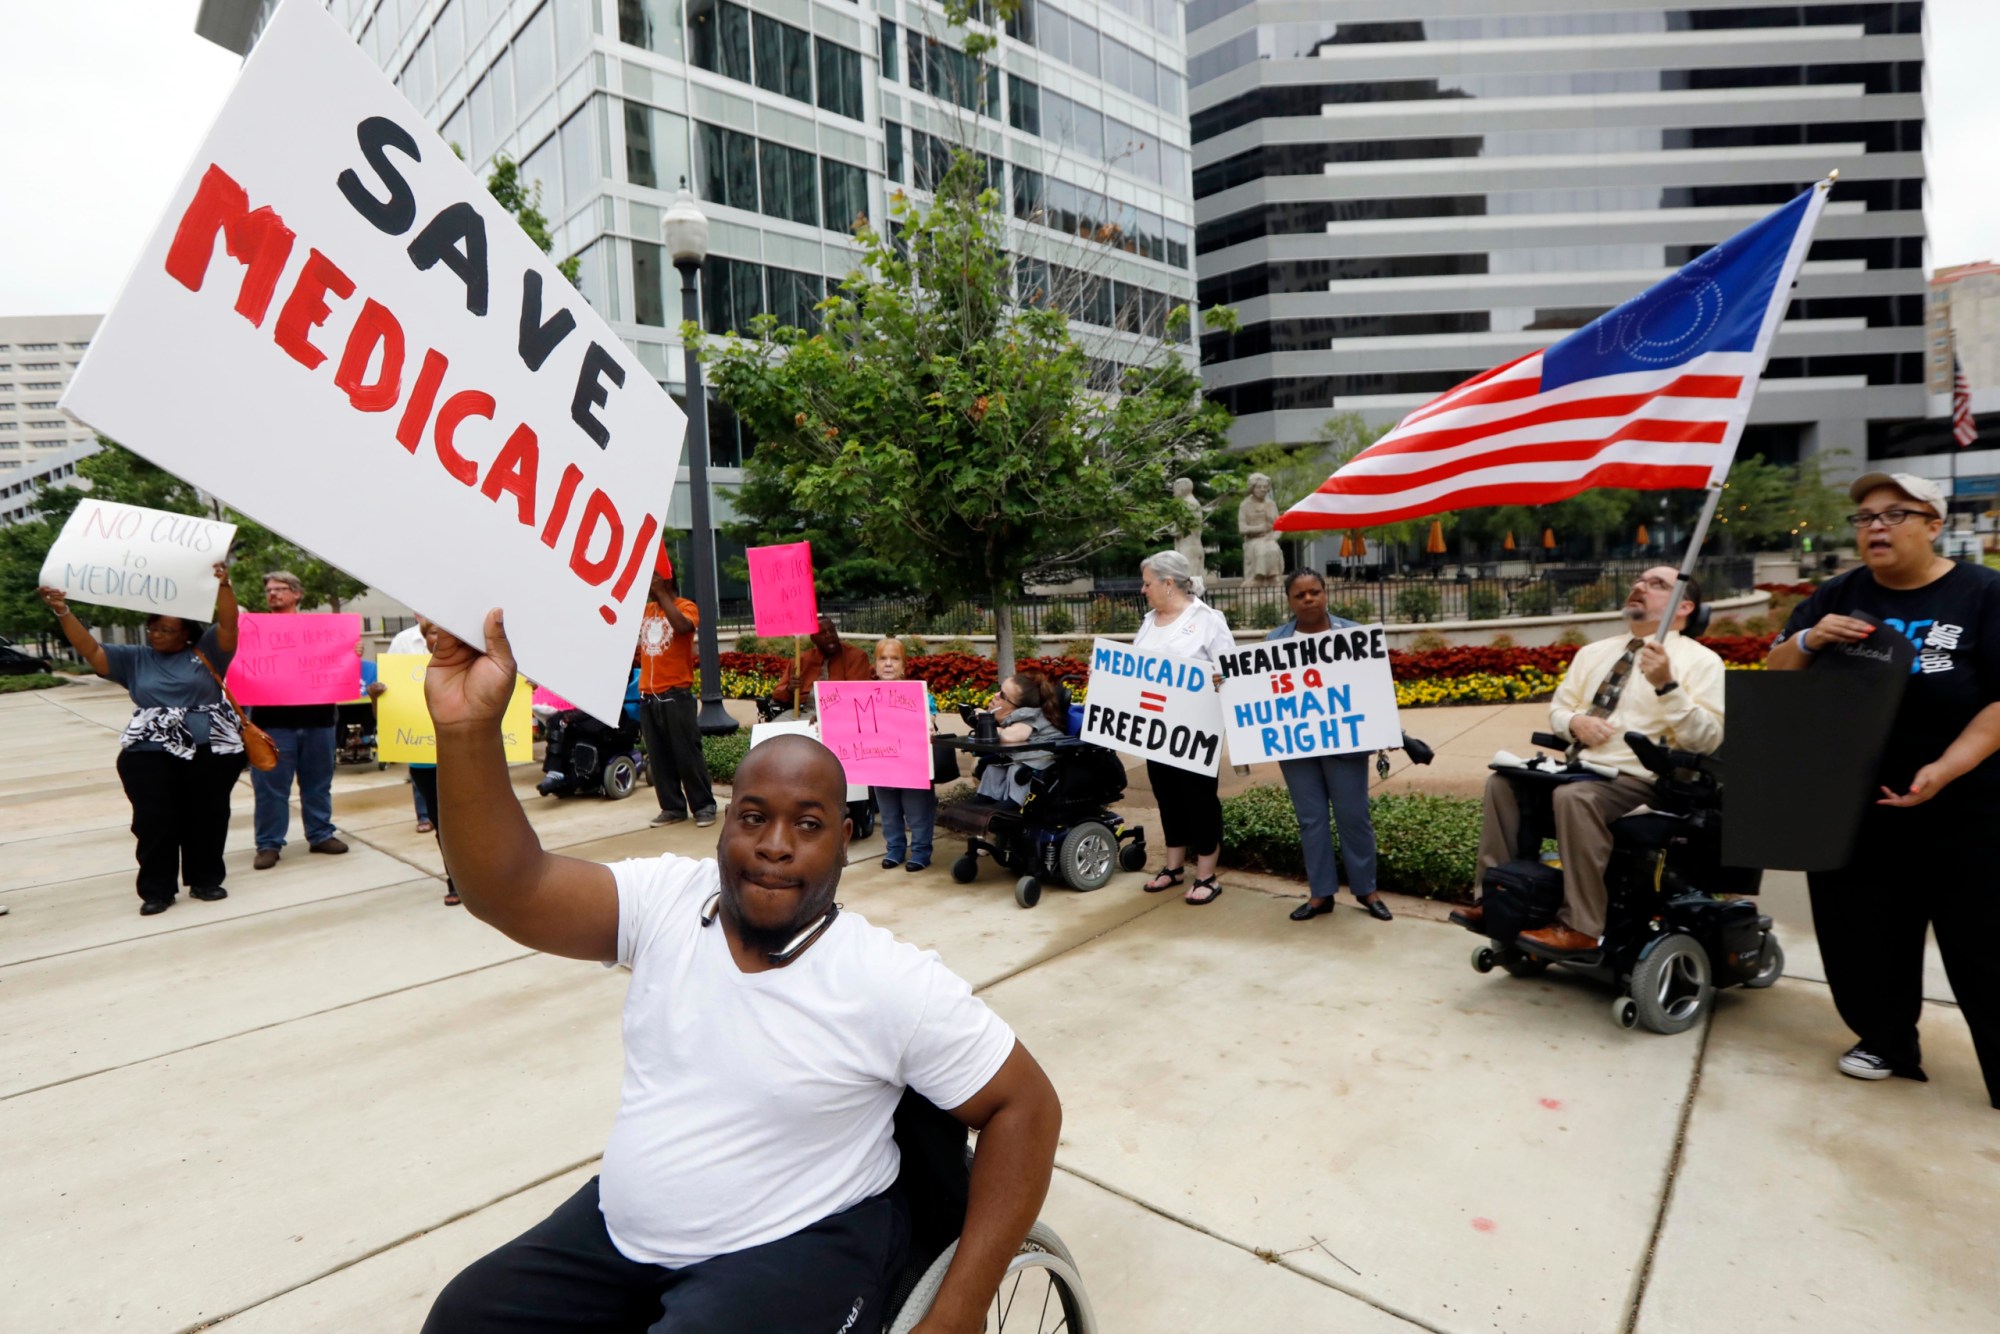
(781, 589)
(880, 730)
(300, 658)
(549, 698)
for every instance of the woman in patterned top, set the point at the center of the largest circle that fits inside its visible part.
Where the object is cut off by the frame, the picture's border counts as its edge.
(182, 751)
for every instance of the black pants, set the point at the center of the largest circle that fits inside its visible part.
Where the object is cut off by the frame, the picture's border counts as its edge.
(673, 752)
(1190, 810)
(425, 780)
(1927, 867)
(180, 815)
(564, 1274)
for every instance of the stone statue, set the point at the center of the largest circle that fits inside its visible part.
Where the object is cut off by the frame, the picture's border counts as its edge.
(1256, 519)
(1189, 543)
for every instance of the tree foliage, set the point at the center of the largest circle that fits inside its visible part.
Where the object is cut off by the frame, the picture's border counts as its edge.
(955, 433)
(525, 203)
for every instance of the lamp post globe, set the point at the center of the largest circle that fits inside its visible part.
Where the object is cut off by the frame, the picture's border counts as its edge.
(684, 229)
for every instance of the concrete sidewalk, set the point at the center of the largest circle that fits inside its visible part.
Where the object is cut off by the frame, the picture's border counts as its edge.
(305, 1107)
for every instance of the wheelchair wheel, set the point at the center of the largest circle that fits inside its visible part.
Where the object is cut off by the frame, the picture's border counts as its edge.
(1772, 967)
(620, 777)
(1671, 986)
(966, 869)
(1132, 857)
(1484, 957)
(1027, 891)
(1089, 853)
(1040, 1293)
(863, 815)
(1521, 964)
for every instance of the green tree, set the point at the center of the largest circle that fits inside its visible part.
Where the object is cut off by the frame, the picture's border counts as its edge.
(505, 185)
(953, 432)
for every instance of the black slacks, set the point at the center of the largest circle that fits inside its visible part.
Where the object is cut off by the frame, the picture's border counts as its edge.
(564, 1274)
(1190, 809)
(424, 777)
(180, 817)
(669, 724)
(1930, 867)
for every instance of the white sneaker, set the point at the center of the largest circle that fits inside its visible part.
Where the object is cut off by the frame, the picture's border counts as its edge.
(4, 910)
(1863, 1064)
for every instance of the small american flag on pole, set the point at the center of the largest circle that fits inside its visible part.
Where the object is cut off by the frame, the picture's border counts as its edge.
(1650, 395)
(1963, 428)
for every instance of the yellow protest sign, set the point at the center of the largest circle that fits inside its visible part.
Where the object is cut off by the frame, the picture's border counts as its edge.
(403, 731)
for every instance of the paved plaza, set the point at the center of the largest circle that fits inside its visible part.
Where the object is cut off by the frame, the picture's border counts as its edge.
(305, 1107)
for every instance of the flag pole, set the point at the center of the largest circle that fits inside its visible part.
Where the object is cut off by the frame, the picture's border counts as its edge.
(1708, 509)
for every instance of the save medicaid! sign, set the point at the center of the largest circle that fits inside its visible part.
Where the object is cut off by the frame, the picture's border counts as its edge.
(338, 331)
(1154, 706)
(1306, 695)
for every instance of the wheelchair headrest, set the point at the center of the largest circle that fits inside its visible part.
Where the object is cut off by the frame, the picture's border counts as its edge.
(1698, 620)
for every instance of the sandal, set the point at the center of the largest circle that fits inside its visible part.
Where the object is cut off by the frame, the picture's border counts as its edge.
(451, 899)
(426, 827)
(1206, 882)
(1172, 874)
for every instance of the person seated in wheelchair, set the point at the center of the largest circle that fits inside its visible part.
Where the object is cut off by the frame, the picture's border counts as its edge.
(769, 1037)
(829, 659)
(1028, 708)
(1671, 694)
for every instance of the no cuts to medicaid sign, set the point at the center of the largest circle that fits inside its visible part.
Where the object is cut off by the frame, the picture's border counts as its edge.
(338, 331)
(1307, 695)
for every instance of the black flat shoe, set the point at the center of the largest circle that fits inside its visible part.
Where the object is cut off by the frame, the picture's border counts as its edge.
(208, 893)
(1305, 912)
(148, 908)
(1379, 910)
(890, 863)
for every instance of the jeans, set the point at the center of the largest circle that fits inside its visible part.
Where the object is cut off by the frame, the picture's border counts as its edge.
(180, 817)
(308, 753)
(909, 815)
(668, 724)
(1341, 783)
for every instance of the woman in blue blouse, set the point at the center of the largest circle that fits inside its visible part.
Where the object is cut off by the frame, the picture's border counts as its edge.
(182, 751)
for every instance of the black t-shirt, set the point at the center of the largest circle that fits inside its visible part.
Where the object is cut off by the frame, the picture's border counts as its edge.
(1953, 623)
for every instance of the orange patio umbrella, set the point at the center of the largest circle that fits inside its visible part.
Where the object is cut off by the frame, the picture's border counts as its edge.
(1436, 543)
(1346, 545)
(1360, 544)
(1548, 539)
(1508, 545)
(1645, 538)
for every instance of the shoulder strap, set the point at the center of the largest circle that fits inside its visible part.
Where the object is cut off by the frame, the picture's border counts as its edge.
(220, 684)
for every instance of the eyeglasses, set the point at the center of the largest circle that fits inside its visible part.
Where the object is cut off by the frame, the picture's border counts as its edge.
(1653, 583)
(1891, 517)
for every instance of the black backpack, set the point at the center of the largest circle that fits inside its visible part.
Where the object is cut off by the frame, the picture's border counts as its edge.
(1519, 896)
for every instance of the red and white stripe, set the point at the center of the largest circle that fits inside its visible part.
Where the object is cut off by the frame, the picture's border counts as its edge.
(1152, 703)
(1963, 428)
(1500, 439)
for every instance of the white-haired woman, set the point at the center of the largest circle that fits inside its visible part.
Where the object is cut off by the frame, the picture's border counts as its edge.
(1181, 624)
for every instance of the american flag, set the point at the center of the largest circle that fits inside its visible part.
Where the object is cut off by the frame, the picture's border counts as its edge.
(1652, 394)
(1963, 428)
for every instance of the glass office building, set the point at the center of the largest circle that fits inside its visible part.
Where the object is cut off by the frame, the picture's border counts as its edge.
(1398, 194)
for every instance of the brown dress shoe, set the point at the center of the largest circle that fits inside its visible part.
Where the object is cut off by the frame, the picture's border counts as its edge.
(329, 845)
(1473, 916)
(266, 859)
(1560, 938)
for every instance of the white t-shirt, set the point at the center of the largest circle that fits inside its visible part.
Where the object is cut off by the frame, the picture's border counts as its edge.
(1199, 632)
(757, 1104)
(410, 639)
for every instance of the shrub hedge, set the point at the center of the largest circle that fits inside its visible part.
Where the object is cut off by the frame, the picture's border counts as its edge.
(1426, 845)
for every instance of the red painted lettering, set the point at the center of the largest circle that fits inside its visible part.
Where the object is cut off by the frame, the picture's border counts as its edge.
(374, 327)
(417, 415)
(465, 403)
(598, 512)
(514, 471)
(305, 309)
(259, 240)
(642, 548)
(559, 512)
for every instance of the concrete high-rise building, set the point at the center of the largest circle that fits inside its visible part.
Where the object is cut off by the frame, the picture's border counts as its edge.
(1965, 318)
(1397, 194)
(788, 118)
(38, 445)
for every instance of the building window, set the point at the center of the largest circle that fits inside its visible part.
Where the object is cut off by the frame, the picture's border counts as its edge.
(790, 183)
(892, 134)
(1024, 104)
(732, 294)
(783, 61)
(719, 32)
(41, 407)
(888, 50)
(38, 347)
(656, 148)
(649, 267)
(846, 189)
(535, 59)
(727, 167)
(839, 79)
(793, 296)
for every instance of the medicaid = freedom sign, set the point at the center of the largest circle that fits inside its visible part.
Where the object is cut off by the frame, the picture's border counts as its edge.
(334, 309)
(1154, 706)
(1306, 695)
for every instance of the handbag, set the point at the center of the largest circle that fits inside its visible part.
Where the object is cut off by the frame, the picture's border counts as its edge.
(258, 746)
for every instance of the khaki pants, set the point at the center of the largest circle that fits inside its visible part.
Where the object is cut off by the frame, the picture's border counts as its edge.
(1584, 812)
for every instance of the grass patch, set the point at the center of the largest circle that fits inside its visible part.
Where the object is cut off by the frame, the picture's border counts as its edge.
(10, 685)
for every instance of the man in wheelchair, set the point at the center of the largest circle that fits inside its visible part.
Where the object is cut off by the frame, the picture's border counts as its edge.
(749, 1182)
(1671, 693)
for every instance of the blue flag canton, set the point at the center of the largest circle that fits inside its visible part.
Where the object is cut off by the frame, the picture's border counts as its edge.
(1715, 304)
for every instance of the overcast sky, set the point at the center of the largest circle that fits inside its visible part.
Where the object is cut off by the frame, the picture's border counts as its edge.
(103, 102)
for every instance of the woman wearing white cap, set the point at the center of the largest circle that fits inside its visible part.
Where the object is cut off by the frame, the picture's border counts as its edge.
(1939, 785)
(1181, 624)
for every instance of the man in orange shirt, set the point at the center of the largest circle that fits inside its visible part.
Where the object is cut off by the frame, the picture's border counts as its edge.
(667, 707)
(827, 660)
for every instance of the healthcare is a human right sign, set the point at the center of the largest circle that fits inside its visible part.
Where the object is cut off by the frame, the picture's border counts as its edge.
(1305, 695)
(338, 331)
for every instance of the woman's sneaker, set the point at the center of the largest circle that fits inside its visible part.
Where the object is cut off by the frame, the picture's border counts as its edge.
(1861, 1063)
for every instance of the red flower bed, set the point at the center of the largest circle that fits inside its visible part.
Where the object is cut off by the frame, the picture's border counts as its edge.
(1795, 590)
(949, 671)
(1740, 649)
(757, 664)
(1472, 660)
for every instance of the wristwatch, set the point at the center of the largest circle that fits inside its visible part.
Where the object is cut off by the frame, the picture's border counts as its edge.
(1667, 689)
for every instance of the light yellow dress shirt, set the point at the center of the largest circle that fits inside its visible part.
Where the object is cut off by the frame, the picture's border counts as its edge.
(1689, 718)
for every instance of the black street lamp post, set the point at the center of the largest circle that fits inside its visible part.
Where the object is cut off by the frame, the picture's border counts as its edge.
(686, 232)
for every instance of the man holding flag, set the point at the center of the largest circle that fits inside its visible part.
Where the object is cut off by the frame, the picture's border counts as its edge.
(1651, 395)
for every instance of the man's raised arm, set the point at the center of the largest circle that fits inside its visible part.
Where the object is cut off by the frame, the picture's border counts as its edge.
(558, 905)
(1018, 1117)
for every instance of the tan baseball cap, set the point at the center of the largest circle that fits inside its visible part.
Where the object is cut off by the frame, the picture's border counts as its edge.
(1920, 489)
